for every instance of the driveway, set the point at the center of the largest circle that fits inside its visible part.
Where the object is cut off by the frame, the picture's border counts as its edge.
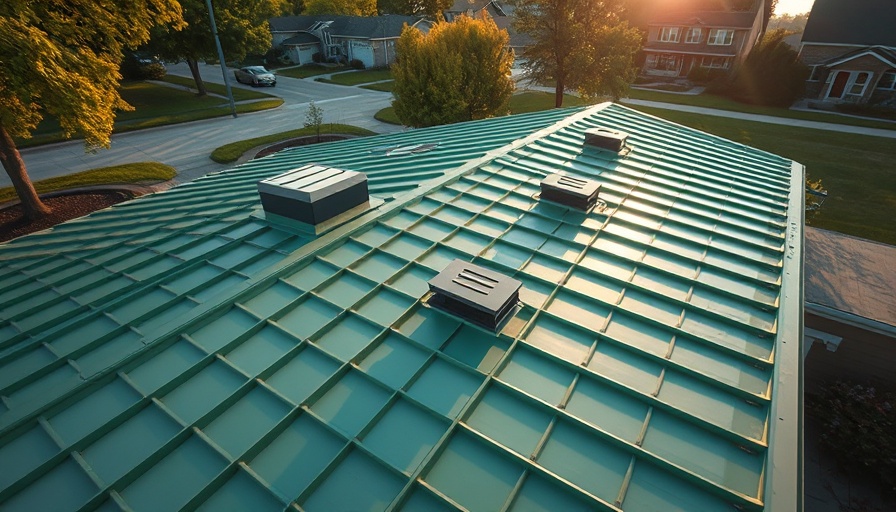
(187, 146)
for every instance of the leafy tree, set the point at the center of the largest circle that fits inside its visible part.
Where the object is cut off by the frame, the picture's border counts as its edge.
(242, 27)
(579, 44)
(790, 22)
(314, 118)
(343, 7)
(772, 74)
(430, 8)
(61, 59)
(460, 71)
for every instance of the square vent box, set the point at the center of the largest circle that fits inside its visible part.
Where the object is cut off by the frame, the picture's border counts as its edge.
(605, 138)
(577, 193)
(476, 294)
(314, 194)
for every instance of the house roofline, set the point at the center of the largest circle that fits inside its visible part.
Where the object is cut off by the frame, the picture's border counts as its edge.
(698, 25)
(853, 45)
(851, 319)
(869, 52)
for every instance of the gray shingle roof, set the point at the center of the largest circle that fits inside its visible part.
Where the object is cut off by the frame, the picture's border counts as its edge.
(851, 275)
(860, 22)
(707, 19)
(302, 38)
(372, 27)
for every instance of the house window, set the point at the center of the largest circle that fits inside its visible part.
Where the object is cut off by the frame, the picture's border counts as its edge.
(694, 35)
(715, 62)
(669, 34)
(720, 37)
(860, 81)
(887, 81)
(668, 62)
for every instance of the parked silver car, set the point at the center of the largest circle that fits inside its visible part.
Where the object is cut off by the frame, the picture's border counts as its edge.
(255, 76)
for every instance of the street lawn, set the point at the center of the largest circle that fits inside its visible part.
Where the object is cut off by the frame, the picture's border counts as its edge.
(239, 94)
(722, 103)
(309, 70)
(521, 103)
(154, 105)
(858, 171)
(233, 151)
(380, 86)
(136, 173)
(534, 101)
(359, 77)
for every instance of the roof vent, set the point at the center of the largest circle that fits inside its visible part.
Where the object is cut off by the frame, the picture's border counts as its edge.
(314, 194)
(476, 294)
(605, 138)
(573, 192)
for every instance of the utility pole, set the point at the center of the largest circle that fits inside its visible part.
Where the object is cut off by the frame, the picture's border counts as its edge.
(211, 16)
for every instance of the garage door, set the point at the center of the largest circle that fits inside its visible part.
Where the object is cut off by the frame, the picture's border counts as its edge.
(306, 54)
(362, 52)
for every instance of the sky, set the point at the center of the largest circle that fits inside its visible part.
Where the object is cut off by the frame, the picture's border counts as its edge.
(793, 6)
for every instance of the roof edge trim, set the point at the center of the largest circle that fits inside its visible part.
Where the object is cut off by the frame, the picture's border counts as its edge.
(783, 486)
(861, 322)
(863, 54)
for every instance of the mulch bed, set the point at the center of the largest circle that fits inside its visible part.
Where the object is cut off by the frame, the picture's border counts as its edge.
(301, 141)
(67, 207)
(72, 206)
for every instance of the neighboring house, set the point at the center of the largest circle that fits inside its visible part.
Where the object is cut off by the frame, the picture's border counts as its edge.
(187, 350)
(474, 8)
(713, 40)
(850, 310)
(369, 39)
(501, 13)
(850, 47)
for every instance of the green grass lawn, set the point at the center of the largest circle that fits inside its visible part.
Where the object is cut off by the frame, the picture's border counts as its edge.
(359, 77)
(381, 86)
(239, 94)
(722, 103)
(534, 101)
(528, 101)
(231, 152)
(858, 171)
(154, 105)
(141, 173)
(309, 70)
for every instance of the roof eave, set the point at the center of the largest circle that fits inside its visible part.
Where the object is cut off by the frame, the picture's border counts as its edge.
(851, 319)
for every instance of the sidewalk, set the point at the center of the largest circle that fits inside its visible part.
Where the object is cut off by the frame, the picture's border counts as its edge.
(835, 127)
(801, 123)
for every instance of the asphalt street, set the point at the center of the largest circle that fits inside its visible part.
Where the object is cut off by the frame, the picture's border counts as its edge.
(187, 147)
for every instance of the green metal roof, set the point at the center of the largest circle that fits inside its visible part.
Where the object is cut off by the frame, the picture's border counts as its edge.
(179, 351)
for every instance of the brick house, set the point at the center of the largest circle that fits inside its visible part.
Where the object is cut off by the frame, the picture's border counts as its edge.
(714, 40)
(850, 46)
(370, 39)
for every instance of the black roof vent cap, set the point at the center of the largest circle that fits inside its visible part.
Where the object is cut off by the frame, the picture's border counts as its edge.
(606, 138)
(577, 193)
(476, 294)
